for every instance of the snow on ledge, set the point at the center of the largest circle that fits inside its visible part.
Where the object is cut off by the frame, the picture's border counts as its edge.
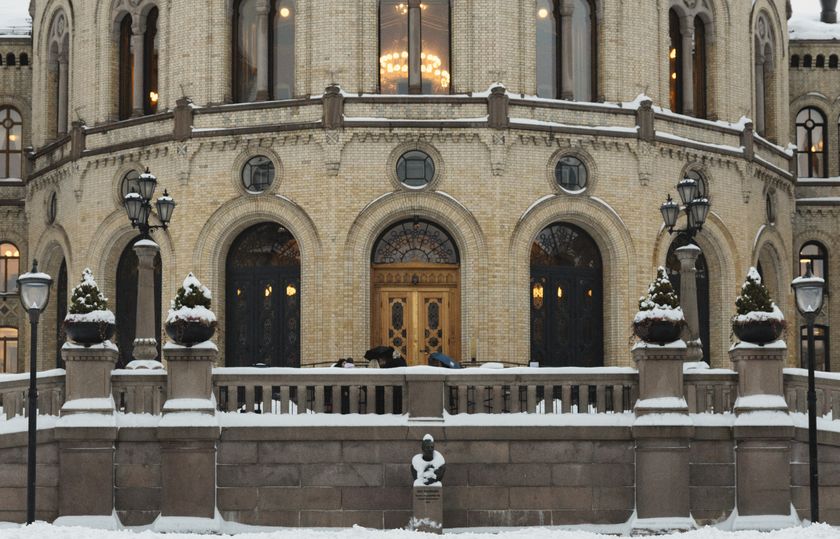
(100, 522)
(106, 404)
(206, 345)
(676, 403)
(775, 402)
(664, 420)
(764, 419)
(679, 344)
(87, 421)
(106, 345)
(741, 345)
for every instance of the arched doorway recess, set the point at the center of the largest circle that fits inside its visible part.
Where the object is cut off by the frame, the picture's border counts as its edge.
(672, 264)
(566, 298)
(416, 299)
(263, 298)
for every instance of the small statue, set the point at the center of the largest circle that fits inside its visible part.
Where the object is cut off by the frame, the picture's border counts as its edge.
(428, 467)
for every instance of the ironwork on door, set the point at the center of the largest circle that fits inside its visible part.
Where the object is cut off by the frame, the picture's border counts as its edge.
(566, 298)
(672, 264)
(263, 298)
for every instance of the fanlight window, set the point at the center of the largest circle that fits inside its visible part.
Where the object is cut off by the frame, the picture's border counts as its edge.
(811, 147)
(9, 268)
(405, 67)
(11, 154)
(565, 245)
(266, 244)
(415, 241)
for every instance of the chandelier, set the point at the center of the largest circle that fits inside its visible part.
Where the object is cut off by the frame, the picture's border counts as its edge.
(395, 65)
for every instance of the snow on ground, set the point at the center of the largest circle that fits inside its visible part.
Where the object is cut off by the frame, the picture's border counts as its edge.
(45, 531)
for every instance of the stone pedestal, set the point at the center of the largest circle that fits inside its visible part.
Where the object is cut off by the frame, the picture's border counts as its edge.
(428, 509)
(145, 339)
(687, 256)
(86, 432)
(188, 434)
(662, 431)
(763, 431)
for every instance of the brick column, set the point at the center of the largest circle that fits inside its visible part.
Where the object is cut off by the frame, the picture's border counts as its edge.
(188, 433)
(86, 432)
(763, 432)
(662, 431)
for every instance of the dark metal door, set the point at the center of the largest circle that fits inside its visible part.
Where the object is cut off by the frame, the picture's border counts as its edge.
(566, 317)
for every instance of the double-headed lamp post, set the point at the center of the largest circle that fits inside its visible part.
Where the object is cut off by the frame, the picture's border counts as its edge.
(34, 288)
(696, 208)
(810, 292)
(138, 206)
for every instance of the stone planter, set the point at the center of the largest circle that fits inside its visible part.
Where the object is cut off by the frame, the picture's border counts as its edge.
(759, 332)
(190, 332)
(87, 333)
(658, 331)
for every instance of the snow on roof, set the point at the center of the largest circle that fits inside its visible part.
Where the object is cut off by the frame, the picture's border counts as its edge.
(14, 18)
(805, 23)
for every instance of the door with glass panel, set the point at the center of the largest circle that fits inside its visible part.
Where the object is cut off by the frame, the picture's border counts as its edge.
(417, 322)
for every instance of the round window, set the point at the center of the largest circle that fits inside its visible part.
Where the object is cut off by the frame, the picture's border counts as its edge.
(258, 174)
(129, 184)
(571, 173)
(52, 208)
(415, 169)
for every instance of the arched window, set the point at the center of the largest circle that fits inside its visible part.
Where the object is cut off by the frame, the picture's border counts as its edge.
(815, 254)
(700, 58)
(257, 76)
(822, 355)
(126, 68)
(807, 60)
(794, 60)
(566, 50)
(765, 75)
(820, 61)
(811, 147)
(832, 61)
(675, 63)
(58, 74)
(420, 65)
(9, 268)
(11, 135)
(566, 298)
(687, 60)
(126, 310)
(24, 59)
(150, 63)
(10, 59)
(8, 349)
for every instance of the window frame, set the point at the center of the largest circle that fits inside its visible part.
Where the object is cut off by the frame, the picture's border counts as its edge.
(4, 348)
(811, 173)
(4, 269)
(556, 16)
(822, 254)
(6, 114)
(822, 337)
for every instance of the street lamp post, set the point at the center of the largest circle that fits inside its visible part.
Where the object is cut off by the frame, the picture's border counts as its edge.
(696, 208)
(34, 288)
(138, 206)
(810, 292)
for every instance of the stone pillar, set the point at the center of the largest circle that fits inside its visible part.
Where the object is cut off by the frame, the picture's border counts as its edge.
(428, 510)
(497, 108)
(62, 94)
(333, 113)
(78, 140)
(748, 142)
(644, 121)
(183, 119)
(137, 50)
(688, 300)
(763, 431)
(687, 24)
(415, 81)
(567, 85)
(262, 50)
(145, 337)
(188, 433)
(86, 432)
(662, 430)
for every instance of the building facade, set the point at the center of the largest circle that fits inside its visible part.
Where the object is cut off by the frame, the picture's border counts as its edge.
(478, 179)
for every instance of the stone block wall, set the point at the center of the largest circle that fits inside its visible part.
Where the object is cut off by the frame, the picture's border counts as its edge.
(13, 474)
(137, 480)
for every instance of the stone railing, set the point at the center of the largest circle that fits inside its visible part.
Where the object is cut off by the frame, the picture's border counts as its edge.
(711, 391)
(139, 392)
(14, 392)
(827, 385)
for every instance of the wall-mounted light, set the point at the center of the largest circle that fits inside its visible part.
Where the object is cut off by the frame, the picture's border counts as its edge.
(291, 290)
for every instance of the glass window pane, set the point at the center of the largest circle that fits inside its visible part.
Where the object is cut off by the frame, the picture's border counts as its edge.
(802, 165)
(15, 137)
(245, 52)
(434, 53)
(393, 47)
(12, 268)
(14, 165)
(284, 49)
(3, 170)
(546, 50)
(582, 50)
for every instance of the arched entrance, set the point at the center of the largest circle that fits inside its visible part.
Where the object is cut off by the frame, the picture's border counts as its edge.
(702, 278)
(127, 302)
(566, 298)
(263, 298)
(416, 298)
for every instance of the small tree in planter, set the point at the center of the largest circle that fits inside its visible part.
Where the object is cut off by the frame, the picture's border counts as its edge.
(88, 319)
(758, 319)
(660, 319)
(190, 319)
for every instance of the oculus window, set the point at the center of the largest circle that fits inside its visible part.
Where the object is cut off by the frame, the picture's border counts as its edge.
(415, 169)
(258, 174)
(571, 174)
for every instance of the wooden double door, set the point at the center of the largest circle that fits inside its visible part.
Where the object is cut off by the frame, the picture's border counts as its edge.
(416, 309)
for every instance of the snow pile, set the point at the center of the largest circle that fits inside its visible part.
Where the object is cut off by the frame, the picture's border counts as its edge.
(805, 22)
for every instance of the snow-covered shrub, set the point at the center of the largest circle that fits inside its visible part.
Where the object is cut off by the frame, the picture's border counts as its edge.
(191, 303)
(87, 304)
(660, 302)
(755, 307)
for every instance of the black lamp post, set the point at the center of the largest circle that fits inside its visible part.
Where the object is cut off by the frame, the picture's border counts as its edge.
(810, 292)
(695, 206)
(34, 289)
(138, 204)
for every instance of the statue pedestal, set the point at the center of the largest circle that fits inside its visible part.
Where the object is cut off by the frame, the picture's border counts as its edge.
(428, 510)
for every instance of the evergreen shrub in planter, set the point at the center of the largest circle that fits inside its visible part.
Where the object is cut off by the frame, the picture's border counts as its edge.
(660, 319)
(190, 319)
(88, 319)
(758, 319)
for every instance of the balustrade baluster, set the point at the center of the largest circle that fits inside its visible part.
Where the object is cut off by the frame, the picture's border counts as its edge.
(600, 398)
(498, 402)
(566, 398)
(354, 399)
(300, 395)
(319, 399)
(389, 399)
(462, 399)
(267, 400)
(284, 399)
(618, 399)
(532, 399)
